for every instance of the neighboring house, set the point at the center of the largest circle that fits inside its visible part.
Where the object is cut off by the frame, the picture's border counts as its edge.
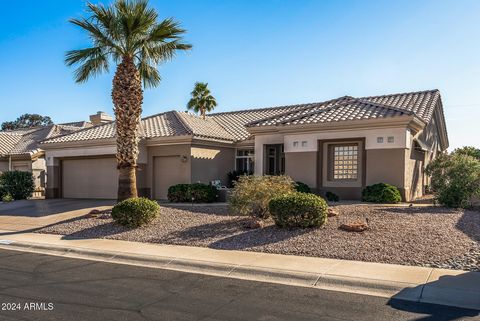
(340, 145)
(20, 150)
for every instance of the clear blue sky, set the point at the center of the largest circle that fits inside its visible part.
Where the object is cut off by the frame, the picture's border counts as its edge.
(260, 54)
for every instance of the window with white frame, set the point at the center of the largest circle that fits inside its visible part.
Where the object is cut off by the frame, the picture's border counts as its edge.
(344, 162)
(245, 160)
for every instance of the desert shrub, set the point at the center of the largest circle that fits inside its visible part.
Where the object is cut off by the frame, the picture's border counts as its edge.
(135, 212)
(455, 179)
(197, 193)
(298, 210)
(19, 184)
(7, 198)
(381, 193)
(331, 197)
(252, 194)
(233, 177)
(302, 187)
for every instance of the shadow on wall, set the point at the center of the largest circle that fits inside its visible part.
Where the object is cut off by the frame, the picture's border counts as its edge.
(455, 290)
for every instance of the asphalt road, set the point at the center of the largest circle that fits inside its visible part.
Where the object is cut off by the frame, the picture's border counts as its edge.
(40, 287)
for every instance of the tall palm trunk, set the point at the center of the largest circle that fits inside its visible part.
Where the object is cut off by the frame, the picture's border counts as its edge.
(127, 96)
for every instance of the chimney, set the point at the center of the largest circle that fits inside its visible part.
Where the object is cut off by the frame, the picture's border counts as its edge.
(99, 118)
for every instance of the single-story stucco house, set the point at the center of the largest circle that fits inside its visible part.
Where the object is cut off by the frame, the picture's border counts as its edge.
(20, 150)
(340, 145)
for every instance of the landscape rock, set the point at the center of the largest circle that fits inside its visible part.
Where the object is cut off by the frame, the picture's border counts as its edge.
(354, 227)
(332, 212)
(254, 223)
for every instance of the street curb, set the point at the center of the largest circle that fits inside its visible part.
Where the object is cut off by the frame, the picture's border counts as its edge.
(423, 292)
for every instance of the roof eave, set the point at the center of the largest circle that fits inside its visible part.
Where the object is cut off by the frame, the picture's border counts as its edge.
(79, 143)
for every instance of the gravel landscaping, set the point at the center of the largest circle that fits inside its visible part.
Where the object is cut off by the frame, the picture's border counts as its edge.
(424, 236)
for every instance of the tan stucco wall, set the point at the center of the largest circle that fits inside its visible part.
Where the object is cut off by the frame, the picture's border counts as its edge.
(386, 166)
(53, 181)
(211, 163)
(3, 166)
(414, 180)
(402, 168)
(168, 150)
(302, 167)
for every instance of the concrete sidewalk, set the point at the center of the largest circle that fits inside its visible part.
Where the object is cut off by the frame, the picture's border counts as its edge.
(447, 287)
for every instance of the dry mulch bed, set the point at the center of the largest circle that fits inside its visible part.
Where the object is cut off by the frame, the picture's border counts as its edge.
(425, 236)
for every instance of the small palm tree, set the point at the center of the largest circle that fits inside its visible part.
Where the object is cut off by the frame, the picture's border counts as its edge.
(128, 34)
(202, 100)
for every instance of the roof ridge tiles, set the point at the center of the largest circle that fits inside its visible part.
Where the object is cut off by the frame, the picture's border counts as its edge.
(406, 93)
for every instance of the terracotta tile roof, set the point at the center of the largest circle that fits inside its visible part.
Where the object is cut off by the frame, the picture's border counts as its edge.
(167, 124)
(421, 104)
(163, 125)
(103, 131)
(27, 141)
(205, 128)
(7, 141)
(234, 122)
(232, 126)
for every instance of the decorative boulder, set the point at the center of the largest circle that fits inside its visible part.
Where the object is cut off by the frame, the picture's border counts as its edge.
(332, 212)
(253, 223)
(354, 227)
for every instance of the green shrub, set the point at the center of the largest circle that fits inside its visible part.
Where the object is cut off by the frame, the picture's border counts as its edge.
(252, 194)
(298, 210)
(455, 179)
(135, 212)
(468, 151)
(381, 193)
(302, 187)
(331, 197)
(197, 193)
(19, 184)
(7, 198)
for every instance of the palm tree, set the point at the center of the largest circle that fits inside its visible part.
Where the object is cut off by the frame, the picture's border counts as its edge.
(202, 100)
(128, 34)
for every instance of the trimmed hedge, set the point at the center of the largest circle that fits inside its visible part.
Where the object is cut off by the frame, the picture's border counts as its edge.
(302, 187)
(135, 212)
(196, 193)
(19, 184)
(299, 210)
(381, 193)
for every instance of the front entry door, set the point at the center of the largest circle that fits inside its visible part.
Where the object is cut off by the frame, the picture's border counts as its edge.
(274, 159)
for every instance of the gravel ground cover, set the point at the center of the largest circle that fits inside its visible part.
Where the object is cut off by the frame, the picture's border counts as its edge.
(424, 236)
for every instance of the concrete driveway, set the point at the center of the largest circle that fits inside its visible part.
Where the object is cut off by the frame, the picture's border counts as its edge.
(40, 208)
(33, 214)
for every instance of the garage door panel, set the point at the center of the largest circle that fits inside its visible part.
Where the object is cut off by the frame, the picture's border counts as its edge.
(90, 178)
(167, 171)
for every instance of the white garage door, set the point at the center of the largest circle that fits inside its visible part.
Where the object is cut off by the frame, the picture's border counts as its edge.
(167, 172)
(90, 178)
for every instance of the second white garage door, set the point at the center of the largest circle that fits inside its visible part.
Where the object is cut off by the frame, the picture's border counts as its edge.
(90, 178)
(167, 172)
